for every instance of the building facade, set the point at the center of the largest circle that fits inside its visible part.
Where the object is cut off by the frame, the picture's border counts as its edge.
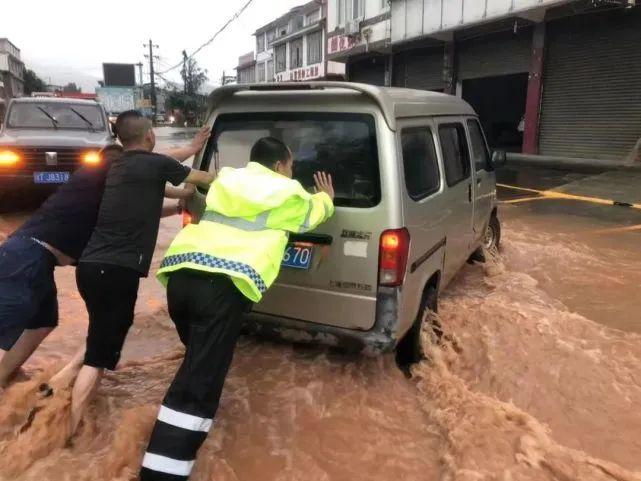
(358, 34)
(553, 77)
(11, 70)
(292, 48)
(246, 70)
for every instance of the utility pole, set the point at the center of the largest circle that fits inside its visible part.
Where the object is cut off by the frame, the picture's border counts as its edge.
(152, 75)
(142, 81)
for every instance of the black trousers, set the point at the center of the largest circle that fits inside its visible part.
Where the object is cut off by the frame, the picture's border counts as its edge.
(207, 311)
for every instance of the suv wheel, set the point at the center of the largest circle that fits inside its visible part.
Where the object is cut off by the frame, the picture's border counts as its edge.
(410, 350)
(492, 236)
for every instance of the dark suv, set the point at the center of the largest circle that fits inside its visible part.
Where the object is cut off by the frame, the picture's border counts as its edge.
(43, 140)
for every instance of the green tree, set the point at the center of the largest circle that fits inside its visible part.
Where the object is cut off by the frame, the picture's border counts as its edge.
(193, 76)
(71, 87)
(189, 101)
(33, 83)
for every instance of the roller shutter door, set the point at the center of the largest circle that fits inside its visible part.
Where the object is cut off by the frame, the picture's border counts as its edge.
(591, 105)
(419, 69)
(369, 70)
(501, 53)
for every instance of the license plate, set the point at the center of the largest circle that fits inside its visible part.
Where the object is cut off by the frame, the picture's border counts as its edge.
(50, 177)
(298, 257)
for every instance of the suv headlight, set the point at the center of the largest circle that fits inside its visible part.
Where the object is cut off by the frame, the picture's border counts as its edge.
(9, 158)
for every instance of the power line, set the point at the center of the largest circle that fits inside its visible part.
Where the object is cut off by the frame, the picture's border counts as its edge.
(208, 42)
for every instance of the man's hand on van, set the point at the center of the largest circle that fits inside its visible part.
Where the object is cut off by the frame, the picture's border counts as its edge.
(200, 178)
(185, 192)
(323, 183)
(181, 154)
(200, 139)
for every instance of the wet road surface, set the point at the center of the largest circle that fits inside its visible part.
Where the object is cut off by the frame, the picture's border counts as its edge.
(541, 380)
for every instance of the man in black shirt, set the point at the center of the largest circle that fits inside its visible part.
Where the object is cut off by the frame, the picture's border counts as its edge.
(120, 249)
(56, 234)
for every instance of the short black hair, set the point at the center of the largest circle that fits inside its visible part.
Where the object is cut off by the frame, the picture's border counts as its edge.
(131, 127)
(269, 150)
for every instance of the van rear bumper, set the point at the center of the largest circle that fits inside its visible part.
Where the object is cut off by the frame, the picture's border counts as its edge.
(381, 338)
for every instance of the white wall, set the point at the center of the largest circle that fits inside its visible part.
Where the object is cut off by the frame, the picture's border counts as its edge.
(415, 18)
(370, 9)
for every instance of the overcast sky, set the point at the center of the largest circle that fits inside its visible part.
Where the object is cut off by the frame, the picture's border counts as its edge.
(68, 40)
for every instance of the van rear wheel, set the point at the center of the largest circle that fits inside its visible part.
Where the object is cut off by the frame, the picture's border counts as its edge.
(492, 236)
(410, 350)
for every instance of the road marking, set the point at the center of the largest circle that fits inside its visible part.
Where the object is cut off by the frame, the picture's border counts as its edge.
(551, 194)
(522, 199)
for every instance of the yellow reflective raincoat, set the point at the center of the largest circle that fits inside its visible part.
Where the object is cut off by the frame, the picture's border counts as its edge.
(244, 229)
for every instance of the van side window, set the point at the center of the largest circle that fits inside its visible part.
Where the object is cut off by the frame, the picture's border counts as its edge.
(456, 157)
(422, 176)
(480, 154)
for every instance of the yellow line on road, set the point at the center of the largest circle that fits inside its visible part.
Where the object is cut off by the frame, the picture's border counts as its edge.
(522, 199)
(551, 194)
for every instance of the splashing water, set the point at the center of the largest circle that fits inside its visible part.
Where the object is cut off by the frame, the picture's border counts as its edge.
(526, 389)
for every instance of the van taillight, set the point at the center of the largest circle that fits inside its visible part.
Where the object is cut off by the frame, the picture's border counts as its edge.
(394, 249)
(187, 218)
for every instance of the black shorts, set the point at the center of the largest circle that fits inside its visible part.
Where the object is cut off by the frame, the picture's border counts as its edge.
(28, 296)
(110, 293)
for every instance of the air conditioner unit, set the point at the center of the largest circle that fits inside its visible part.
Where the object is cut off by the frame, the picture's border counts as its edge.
(353, 27)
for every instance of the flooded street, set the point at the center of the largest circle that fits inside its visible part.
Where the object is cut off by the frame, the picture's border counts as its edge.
(541, 379)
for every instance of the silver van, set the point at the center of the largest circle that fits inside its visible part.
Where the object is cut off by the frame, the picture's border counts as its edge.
(415, 199)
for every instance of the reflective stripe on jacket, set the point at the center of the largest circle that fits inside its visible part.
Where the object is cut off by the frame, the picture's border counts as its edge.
(243, 231)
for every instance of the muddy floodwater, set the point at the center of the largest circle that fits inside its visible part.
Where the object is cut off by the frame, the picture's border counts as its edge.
(541, 381)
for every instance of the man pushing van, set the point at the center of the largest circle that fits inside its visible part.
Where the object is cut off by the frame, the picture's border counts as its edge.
(214, 271)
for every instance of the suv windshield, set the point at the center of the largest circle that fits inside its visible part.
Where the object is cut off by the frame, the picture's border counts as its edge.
(49, 115)
(342, 144)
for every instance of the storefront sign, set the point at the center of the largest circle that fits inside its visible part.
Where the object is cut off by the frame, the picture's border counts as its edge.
(304, 73)
(340, 43)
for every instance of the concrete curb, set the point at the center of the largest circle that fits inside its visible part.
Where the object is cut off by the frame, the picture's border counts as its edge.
(572, 164)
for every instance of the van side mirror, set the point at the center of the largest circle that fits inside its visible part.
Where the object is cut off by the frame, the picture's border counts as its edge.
(499, 158)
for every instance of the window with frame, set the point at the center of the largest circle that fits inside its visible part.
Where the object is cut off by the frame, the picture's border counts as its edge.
(357, 7)
(315, 48)
(280, 53)
(296, 53)
(270, 71)
(480, 152)
(313, 17)
(282, 31)
(341, 144)
(271, 35)
(420, 162)
(456, 158)
(297, 23)
(260, 72)
(260, 43)
(246, 75)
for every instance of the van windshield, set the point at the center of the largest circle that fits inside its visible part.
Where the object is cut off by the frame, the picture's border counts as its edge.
(342, 144)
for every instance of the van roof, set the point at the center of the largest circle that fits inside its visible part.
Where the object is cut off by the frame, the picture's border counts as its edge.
(394, 102)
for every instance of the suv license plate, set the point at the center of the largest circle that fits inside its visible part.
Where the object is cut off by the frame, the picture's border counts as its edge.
(298, 257)
(50, 177)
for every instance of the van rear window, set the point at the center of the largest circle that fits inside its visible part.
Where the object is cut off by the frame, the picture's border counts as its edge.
(343, 145)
